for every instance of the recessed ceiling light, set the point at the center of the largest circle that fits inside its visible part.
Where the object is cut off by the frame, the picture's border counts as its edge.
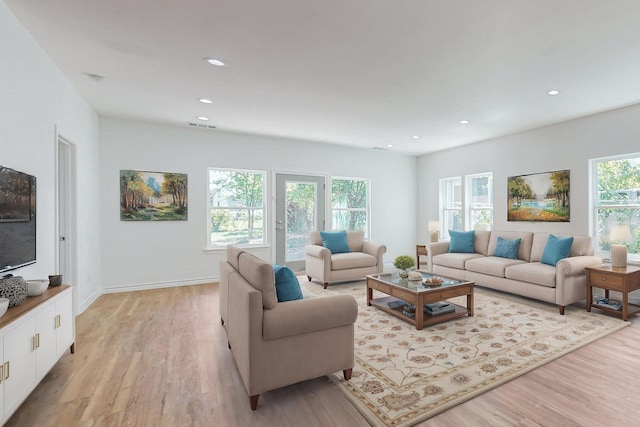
(390, 145)
(415, 137)
(464, 122)
(553, 92)
(215, 62)
(205, 100)
(203, 118)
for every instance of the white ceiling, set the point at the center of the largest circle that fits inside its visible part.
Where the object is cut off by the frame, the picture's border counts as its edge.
(365, 73)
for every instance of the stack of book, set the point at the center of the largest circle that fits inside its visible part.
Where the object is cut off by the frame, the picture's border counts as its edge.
(436, 308)
(609, 303)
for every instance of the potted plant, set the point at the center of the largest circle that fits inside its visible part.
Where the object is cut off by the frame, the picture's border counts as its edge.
(404, 263)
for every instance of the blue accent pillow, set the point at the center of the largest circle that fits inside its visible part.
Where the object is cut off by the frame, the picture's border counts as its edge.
(287, 285)
(507, 248)
(335, 241)
(461, 241)
(556, 249)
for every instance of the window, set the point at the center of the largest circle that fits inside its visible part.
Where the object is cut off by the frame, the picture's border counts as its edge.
(450, 205)
(479, 198)
(350, 204)
(236, 201)
(475, 212)
(616, 202)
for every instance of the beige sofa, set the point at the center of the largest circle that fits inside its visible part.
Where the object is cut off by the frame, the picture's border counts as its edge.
(365, 258)
(562, 284)
(275, 344)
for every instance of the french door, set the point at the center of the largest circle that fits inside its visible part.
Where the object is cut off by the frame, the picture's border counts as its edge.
(300, 209)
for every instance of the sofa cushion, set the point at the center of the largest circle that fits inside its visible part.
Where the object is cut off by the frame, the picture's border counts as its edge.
(556, 249)
(335, 241)
(532, 272)
(259, 274)
(461, 241)
(454, 260)
(351, 260)
(491, 265)
(287, 285)
(581, 246)
(524, 249)
(481, 241)
(507, 248)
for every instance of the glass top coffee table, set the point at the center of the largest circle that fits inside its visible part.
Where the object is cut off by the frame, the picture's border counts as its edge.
(405, 297)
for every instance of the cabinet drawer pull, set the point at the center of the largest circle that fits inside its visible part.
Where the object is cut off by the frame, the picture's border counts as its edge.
(57, 321)
(7, 365)
(1, 373)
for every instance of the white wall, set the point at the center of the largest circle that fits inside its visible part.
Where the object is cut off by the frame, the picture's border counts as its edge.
(35, 100)
(137, 255)
(567, 145)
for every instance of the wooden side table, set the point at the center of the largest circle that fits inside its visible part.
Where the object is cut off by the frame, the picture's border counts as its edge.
(620, 279)
(421, 250)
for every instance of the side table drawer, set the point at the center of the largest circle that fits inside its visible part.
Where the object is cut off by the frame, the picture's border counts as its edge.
(404, 295)
(598, 279)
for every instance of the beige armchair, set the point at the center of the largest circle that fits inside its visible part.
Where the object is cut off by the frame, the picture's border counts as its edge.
(275, 344)
(365, 258)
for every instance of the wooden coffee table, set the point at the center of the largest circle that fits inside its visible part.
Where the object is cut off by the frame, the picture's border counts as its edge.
(401, 291)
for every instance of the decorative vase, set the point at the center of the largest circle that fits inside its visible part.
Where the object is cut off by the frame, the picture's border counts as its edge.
(13, 288)
(403, 274)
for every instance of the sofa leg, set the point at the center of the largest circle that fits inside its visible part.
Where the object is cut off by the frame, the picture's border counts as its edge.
(561, 309)
(229, 345)
(222, 321)
(325, 285)
(309, 278)
(347, 373)
(254, 401)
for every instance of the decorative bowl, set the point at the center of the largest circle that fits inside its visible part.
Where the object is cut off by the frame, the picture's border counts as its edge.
(4, 304)
(433, 281)
(55, 280)
(14, 288)
(36, 287)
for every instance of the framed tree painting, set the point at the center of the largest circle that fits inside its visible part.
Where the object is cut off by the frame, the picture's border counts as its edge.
(539, 197)
(153, 196)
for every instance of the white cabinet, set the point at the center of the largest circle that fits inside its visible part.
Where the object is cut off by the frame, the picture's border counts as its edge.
(33, 336)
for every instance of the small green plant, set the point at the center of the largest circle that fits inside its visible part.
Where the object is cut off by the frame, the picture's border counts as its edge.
(404, 262)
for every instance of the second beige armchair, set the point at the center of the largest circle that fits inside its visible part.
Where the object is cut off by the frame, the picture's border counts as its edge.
(364, 258)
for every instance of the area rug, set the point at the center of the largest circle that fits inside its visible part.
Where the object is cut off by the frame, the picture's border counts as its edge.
(403, 376)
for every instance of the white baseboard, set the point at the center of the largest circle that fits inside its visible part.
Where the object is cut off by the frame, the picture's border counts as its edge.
(158, 285)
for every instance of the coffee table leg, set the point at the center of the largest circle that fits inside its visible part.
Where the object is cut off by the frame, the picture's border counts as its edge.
(419, 313)
(369, 295)
(470, 302)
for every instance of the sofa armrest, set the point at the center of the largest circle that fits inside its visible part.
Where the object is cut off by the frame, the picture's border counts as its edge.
(433, 249)
(575, 265)
(374, 249)
(318, 251)
(308, 315)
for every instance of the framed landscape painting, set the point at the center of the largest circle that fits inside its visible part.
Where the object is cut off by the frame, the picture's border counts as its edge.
(153, 196)
(539, 197)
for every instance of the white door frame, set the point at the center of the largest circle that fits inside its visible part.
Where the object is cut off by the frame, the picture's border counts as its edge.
(66, 212)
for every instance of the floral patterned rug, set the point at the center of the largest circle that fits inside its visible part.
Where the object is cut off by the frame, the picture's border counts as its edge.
(403, 376)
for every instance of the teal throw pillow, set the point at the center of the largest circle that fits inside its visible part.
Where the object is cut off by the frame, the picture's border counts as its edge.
(287, 285)
(461, 241)
(556, 249)
(335, 241)
(507, 248)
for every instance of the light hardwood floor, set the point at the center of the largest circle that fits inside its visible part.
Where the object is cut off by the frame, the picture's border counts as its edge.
(160, 358)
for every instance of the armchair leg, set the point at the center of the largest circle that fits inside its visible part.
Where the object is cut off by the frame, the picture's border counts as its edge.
(347, 373)
(325, 285)
(561, 309)
(309, 278)
(254, 401)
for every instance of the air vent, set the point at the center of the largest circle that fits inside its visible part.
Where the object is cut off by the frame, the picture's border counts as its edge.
(200, 125)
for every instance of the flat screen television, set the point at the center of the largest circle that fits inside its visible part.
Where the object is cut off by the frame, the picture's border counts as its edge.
(17, 219)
